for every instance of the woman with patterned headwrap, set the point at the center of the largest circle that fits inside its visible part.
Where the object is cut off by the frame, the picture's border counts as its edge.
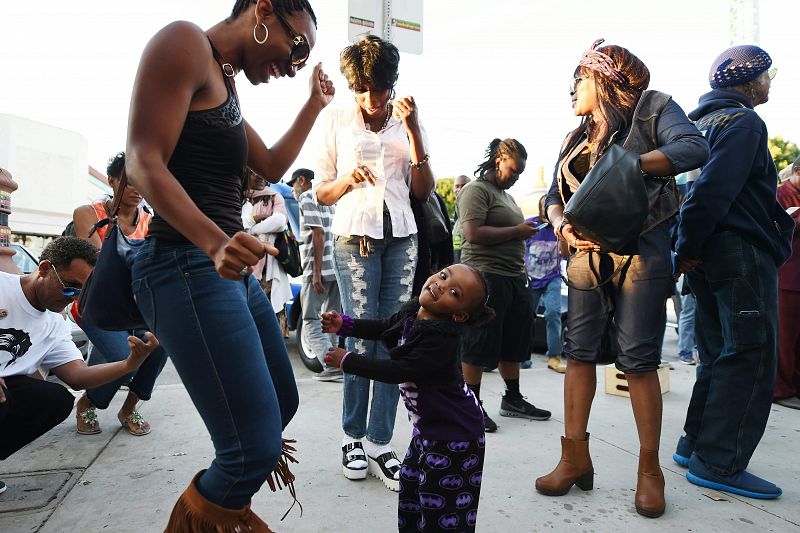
(609, 90)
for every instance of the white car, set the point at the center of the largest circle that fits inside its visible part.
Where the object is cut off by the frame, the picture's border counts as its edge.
(27, 263)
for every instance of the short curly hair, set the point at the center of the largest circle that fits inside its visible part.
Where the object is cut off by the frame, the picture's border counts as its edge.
(63, 250)
(370, 63)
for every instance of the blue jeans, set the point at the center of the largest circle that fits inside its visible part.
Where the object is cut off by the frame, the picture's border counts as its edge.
(110, 346)
(686, 342)
(227, 347)
(373, 287)
(550, 296)
(736, 287)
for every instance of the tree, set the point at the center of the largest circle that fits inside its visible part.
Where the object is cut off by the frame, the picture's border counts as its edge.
(783, 152)
(444, 186)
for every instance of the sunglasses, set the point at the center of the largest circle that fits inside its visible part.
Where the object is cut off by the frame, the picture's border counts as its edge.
(66, 291)
(300, 49)
(573, 86)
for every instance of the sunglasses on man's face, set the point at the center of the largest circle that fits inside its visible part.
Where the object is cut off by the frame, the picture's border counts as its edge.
(65, 290)
(300, 49)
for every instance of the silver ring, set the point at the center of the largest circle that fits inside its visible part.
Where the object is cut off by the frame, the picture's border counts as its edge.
(243, 272)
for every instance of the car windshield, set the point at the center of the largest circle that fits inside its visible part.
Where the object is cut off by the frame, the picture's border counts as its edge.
(23, 259)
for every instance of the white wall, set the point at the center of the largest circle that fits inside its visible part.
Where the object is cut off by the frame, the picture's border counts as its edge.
(50, 165)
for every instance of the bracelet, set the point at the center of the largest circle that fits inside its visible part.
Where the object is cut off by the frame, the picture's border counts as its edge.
(561, 227)
(419, 164)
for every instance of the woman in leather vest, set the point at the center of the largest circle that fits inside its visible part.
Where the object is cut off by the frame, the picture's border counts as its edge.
(609, 91)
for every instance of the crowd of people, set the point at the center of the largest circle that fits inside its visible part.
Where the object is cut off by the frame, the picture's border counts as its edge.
(390, 313)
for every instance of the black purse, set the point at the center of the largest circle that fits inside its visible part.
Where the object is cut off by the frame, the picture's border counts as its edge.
(289, 253)
(611, 204)
(106, 299)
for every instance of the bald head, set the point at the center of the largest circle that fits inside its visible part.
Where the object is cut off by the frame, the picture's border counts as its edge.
(459, 183)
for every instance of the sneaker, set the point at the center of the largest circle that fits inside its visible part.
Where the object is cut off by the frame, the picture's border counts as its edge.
(687, 359)
(526, 364)
(488, 424)
(329, 374)
(683, 451)
(386, 467)
(519, 408)
(3, 486)
(354, 461)
(742, 483)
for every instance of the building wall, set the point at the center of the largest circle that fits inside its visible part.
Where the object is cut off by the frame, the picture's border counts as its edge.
(50, 165)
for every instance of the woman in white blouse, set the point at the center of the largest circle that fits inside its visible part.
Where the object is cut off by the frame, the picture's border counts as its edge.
(374, 157)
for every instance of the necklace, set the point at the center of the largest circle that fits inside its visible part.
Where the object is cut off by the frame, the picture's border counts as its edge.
(385, 121)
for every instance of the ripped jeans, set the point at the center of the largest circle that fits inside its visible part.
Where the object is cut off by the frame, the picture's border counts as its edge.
(373, 287)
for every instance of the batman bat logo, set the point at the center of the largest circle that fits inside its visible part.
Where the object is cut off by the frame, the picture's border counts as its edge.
(437, 461)
(458, 446)
(451, 482)
(428, 500)
(482, 441)
(470, 462)
(409, 505)
(475, 479)
(410, 474)
(463, 500)
(448, 521)
(472, 517)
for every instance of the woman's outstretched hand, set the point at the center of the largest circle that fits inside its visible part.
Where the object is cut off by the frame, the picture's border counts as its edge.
(331, 322)
(322, 89)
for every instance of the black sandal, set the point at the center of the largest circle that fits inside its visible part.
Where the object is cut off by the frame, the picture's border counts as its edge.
(353, 457)
(390, 475)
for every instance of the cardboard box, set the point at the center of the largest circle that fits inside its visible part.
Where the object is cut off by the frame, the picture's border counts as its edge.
(617, 385)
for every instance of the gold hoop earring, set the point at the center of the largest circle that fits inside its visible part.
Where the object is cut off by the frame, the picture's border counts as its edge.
(266, 33)
(266, 30)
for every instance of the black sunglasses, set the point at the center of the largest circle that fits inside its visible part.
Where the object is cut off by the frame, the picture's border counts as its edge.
(66, 291)
(300, 48)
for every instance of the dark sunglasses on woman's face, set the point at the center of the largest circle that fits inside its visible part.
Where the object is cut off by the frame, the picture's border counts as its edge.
(300, 48)
(573, 86)
(66, 291)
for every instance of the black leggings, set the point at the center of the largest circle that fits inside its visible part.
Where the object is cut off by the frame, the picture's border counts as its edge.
(32, 408)
(440, 485)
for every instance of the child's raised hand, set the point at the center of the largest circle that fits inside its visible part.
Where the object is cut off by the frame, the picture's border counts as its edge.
(331, 322)
(334, 356)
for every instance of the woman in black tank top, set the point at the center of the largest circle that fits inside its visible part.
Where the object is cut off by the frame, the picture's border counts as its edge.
(188, 145)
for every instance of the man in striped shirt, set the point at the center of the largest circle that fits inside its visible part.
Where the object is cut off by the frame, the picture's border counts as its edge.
(320, 291)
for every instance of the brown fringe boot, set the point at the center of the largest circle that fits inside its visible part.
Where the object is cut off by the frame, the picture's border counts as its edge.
(195, 514)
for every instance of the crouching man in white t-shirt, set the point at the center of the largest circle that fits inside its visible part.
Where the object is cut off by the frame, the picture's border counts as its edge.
(34, 335)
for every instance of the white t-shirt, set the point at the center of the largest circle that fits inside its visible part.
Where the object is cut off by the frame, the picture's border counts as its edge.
(346, 144)
(29, 338)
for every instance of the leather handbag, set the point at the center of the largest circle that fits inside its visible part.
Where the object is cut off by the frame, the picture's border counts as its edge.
(289, 253)
(611, 204)
(435, 224)
(106, 299)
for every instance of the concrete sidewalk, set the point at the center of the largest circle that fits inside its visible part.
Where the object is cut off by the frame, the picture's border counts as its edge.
(119, 483)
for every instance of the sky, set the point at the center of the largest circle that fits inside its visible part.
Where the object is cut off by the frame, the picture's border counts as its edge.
(491, 68)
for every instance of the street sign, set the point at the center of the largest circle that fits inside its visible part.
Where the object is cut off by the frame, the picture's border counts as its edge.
(397, 21)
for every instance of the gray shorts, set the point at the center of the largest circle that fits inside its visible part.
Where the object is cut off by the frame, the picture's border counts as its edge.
(625, 316)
